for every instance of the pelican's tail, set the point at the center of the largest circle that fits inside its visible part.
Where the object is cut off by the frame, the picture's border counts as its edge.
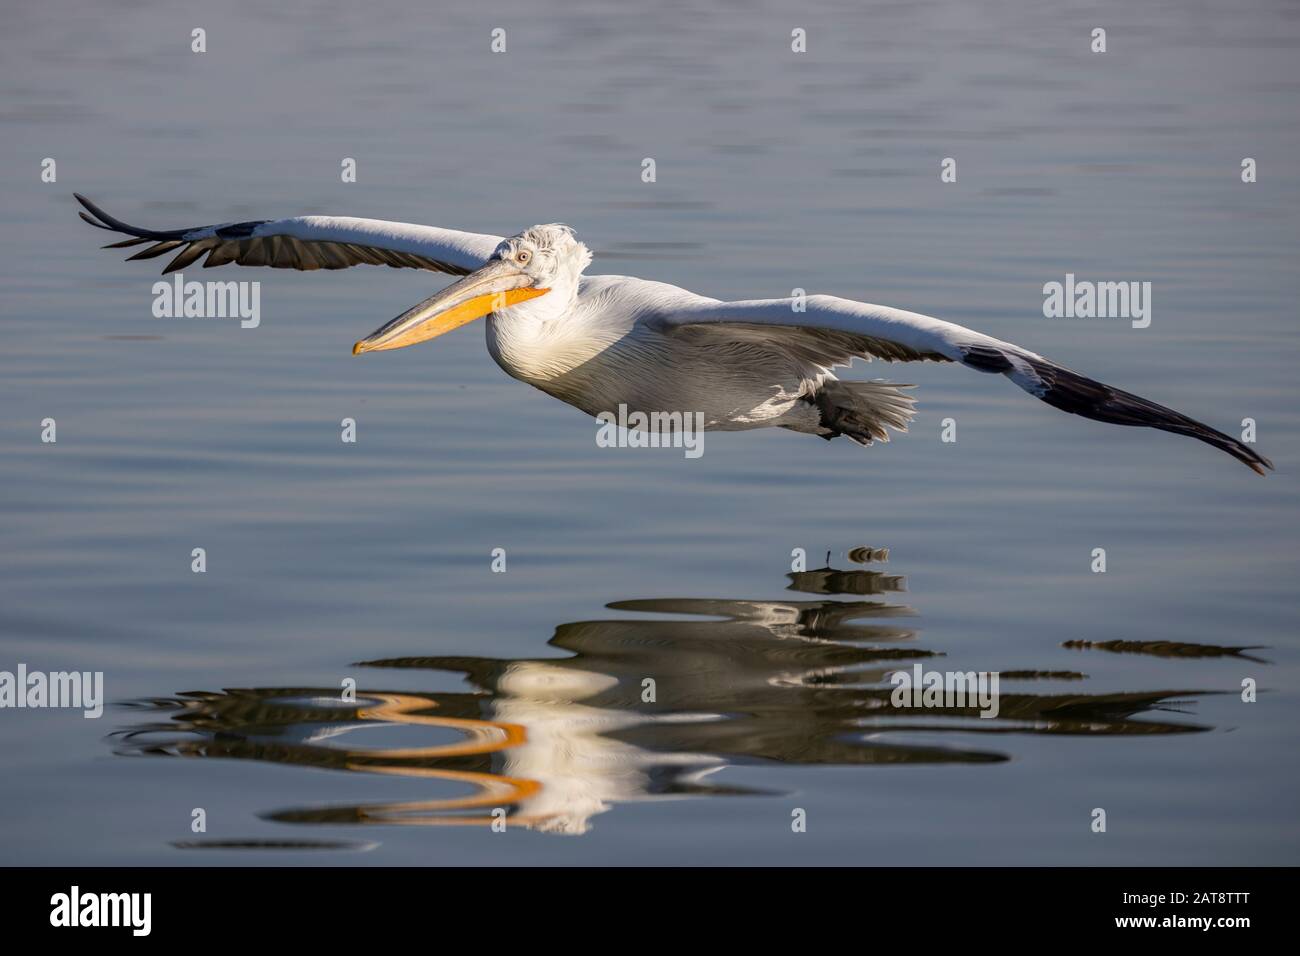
(860, 411)
(1077, 394)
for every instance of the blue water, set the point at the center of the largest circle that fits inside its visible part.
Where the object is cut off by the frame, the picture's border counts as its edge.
(523, 691)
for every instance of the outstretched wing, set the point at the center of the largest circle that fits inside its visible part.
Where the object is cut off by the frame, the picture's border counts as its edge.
(306, 242)
(830, 331)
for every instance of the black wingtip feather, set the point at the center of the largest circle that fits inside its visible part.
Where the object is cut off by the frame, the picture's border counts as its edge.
(1079, 395)
(97, 225)
(103, 220)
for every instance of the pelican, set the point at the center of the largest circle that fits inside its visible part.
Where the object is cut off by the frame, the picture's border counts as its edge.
(599, 342)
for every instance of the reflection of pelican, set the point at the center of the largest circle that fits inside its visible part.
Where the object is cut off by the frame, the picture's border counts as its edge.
(605, 342)
(1168, 649)
(557, 741)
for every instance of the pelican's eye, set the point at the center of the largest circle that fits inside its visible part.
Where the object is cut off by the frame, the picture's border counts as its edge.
(522, 257)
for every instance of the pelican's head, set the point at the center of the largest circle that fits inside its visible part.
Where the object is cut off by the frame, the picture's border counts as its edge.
(551, 254)
(541, 260)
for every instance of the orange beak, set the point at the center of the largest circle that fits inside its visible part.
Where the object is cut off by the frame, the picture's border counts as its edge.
(496, 286)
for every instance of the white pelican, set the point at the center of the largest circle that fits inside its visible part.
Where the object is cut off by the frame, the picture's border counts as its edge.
(600, 342)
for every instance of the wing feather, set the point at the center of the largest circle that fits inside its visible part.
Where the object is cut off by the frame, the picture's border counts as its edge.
(157, 249)
(826, 330)
(830, 331)
(307, 243)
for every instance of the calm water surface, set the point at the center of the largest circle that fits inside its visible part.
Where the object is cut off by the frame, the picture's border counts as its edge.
(524, 690)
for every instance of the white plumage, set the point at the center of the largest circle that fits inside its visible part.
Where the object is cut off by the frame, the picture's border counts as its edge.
(605, 341)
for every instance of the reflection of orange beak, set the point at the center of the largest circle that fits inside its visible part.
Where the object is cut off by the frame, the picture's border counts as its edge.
(494, 287)
(494, 790)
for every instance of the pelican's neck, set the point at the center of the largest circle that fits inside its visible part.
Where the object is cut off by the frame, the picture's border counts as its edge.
(552, 306)
(539, 340)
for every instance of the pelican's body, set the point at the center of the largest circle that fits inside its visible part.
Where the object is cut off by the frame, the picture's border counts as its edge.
(605, 342)
(611, 346)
